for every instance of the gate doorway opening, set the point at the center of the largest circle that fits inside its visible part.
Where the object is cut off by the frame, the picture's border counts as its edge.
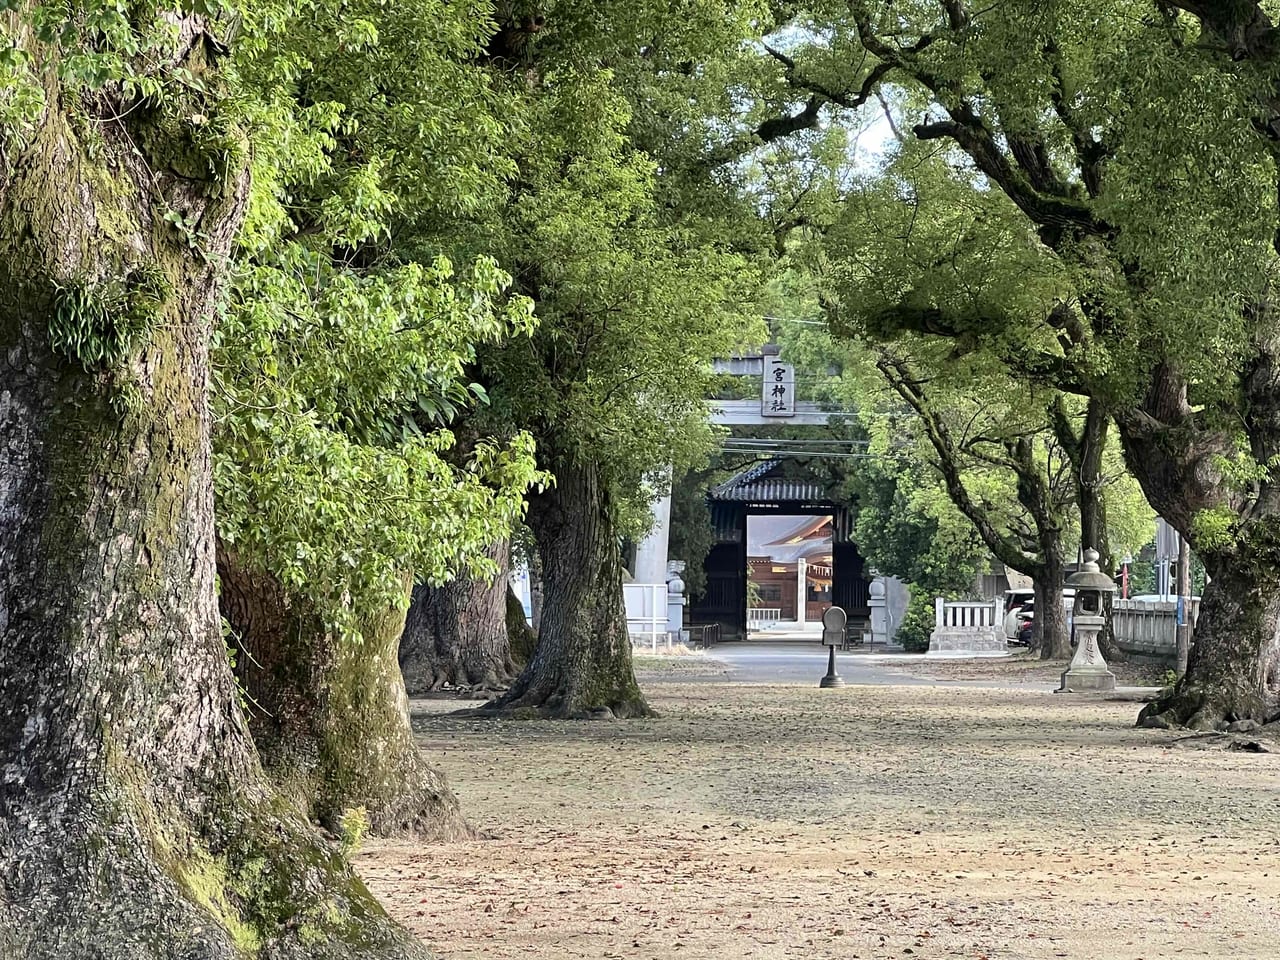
(763, 514)
(789, 561)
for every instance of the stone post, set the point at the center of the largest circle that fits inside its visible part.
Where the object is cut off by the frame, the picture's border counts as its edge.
(879, 612)
(675, 602)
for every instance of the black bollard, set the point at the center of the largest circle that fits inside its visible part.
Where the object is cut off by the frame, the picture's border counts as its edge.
(832, 679)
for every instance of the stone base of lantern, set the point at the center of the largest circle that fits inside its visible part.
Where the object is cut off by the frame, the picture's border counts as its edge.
(1087, 671)
(1087, 680)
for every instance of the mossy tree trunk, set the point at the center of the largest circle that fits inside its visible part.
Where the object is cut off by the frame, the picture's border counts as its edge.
(456, 633)
(1233, 670)
(135, 819)
(329, 713)
(521, 637)
(582, 661)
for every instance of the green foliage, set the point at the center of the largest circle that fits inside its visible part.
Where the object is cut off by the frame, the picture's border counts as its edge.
(917, 623)
(636, 268)
(1215, 528)
(1080, 191)
(353, 827)
(349, 338)
(389, 144)
(99, 324)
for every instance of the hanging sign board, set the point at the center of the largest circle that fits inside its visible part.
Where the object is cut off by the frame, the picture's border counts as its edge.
(779, 396)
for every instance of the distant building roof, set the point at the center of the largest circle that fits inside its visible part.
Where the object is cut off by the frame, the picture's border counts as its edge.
(754, 483)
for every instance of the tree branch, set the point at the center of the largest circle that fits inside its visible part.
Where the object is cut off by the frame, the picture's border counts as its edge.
(900, 377)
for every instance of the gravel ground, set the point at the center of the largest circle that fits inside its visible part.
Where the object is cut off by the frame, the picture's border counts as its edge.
(1022, 667)
(864, 822)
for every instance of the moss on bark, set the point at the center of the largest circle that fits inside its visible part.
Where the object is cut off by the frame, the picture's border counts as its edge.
(135, 819)
(1233, 672)
(522, 637)
(329, 714)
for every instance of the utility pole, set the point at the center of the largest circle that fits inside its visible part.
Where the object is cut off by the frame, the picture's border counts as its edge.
(1183, 628)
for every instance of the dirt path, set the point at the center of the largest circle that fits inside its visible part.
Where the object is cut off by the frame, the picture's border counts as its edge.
(779, 822)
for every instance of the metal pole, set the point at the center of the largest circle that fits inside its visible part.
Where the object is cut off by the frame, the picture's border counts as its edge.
(1183, 628)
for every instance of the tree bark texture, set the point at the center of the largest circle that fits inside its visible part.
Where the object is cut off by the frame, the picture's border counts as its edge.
(522, 637)
(1233, 670)
(329, 714)
(1049, 634)
(535, 590)
(135, 819)
(582, 662)
(1184, 591)
(456, 634)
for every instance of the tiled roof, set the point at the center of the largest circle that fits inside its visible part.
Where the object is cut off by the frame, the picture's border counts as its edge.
(755, 484)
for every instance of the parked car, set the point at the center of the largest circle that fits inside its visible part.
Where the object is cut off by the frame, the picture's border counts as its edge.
(1019, 606)
(1015, 601)
(1024, 631)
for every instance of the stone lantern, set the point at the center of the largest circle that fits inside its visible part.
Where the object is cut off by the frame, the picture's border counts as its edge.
(1087, 670)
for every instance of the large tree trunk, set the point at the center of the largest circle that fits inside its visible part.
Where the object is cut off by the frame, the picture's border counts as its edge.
(1049, 633)
(522, 638)
(135, 819)
(1233, 672)
(582, 662)
(535, 590)
(329, 714)
(456, 634)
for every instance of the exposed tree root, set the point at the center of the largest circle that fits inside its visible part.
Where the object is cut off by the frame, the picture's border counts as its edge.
(1193, 708)
(126, 881)
(531, 706)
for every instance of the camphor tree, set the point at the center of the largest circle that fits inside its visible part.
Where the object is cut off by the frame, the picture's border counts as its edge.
(993, 429)
(345, 343)
(1128, 153)
(135, 818)
(903, 520)
(456, 633)
(957, 448)
(635, 288)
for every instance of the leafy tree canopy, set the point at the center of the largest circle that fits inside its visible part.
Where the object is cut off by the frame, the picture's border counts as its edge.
(347, 337)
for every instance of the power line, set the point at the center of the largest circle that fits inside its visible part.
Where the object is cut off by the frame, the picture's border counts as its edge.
(811, 454)
(784, 440)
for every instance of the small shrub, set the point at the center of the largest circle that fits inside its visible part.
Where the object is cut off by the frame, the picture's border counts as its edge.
(353, 825)
(917, 623)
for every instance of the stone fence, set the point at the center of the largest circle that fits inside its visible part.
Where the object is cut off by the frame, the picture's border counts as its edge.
(967, 629)
(1146, 628)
